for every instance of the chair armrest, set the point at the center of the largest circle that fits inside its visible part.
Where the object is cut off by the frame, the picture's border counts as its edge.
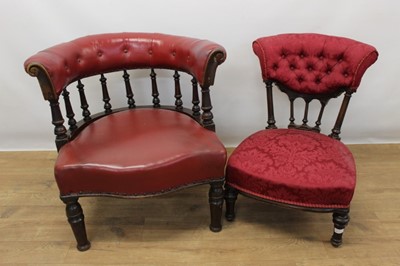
(60, 65)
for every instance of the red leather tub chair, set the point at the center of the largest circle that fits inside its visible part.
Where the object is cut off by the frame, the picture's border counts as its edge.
(299, 167)
(137, 150)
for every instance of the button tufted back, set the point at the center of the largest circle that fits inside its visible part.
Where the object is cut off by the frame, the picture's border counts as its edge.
(96, 54)
(314, 63)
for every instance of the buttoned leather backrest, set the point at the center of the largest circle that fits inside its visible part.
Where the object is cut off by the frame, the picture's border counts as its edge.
(96, 54)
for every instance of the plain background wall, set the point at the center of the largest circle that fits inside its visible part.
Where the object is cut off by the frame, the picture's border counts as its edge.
(27, 26)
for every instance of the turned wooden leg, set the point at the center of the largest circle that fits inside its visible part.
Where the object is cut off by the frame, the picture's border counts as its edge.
(230, 199)
(76, 220)
(340, 219)
(216, 200)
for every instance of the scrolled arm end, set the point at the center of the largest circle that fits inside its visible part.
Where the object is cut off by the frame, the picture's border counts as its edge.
(38, 71)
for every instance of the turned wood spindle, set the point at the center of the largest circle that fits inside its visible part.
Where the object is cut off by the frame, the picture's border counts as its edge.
(216, 200)
(57, 120)
(305, 117)
(69, 110)
(342, 112)
(106, 96)
(178, 94)
(128, 88)
(195, 98)
(84, 104)
(271, 117)
(291, 118)
(206, 106)
(321, 112)
(154, 89)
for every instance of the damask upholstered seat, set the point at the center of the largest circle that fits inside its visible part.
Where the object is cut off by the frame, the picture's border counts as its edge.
(146, 148)
(299, 167)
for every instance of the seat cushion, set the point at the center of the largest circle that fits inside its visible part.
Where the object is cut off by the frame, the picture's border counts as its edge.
(139, 152)
(296, 167)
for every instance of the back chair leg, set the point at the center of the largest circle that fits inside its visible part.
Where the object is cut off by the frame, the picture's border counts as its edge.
(77, 222)
(340, 219)
(216, 200)
(230, 199)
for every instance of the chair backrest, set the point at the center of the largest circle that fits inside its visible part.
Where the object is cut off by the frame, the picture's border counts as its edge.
(63, 64)
(313, 67)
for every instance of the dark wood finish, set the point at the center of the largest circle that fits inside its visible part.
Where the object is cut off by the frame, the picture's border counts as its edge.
(323, 99)
(106, 96)
(207, 116)
(69, 110)
(340, 219)
(321, 112)
(216, 200)
(178, 93)
(154, 89)
(270, 105)
(195, 98)
(57, 120)
(230, 200)
(128, 88)
(77, 221)
(339, 121)
(84, 104)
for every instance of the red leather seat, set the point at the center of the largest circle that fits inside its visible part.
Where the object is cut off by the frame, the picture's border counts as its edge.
(139, 152)
(135, 150)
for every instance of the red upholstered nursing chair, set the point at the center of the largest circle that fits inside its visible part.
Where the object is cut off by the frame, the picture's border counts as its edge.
(133, 151)
(298, 166)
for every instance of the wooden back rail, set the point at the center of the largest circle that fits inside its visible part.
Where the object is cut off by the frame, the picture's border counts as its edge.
(59, 66)
(63, 135)
(323, 100)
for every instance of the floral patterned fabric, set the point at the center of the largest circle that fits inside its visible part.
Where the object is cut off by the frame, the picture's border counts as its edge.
(297, 167)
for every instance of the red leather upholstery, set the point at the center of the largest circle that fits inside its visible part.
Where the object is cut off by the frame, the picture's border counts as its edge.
(314, 63)
(138, 152)
(133, 150)
(296, 167)
(104, 53)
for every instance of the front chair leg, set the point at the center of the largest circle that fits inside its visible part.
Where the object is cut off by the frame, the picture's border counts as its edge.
(77, 222)
(340, 219)
(216, 200)
(230, 199)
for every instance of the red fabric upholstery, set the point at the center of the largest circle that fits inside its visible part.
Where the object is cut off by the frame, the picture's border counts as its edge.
(139, 152)
(314, 63)
(104, 53)
(296, 167)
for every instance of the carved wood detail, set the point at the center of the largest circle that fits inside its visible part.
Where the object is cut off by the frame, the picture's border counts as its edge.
(69, 110)
(195, 98)
(84, 104)
(106, 96)
(77, 221)
(58, 122)
(154, 89)
(178, 93)
(128, 88)
(207, 116)
(216, 200)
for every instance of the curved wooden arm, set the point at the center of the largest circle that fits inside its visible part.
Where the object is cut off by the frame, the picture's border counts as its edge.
(58, 66)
